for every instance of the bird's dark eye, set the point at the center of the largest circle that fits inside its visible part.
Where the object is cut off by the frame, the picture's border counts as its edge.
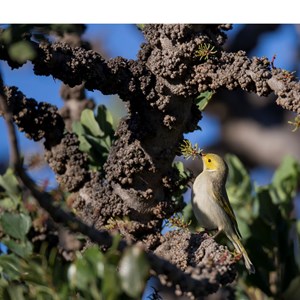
(209, 160)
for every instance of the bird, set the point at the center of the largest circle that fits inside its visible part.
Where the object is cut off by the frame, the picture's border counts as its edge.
(211, 205)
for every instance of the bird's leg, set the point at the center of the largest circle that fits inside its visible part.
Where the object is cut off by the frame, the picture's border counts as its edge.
(217, 233)
(207, 231)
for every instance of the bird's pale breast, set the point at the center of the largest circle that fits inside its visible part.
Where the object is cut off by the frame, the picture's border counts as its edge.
(207, 211)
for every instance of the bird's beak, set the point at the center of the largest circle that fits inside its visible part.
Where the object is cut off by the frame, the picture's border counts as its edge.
(202, 154)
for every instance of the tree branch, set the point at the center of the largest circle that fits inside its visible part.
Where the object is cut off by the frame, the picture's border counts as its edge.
(100, 237)
(132, 79)
(159, 88)
(236, 70)
(43, 198)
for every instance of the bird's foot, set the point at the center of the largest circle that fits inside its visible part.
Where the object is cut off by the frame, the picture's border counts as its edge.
(237, 256)
(208, 232)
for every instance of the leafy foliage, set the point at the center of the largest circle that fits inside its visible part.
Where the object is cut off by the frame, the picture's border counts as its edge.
(16, 38)
(134, 270)
(93, 275)
(15, 221)
(184, 177)
(96, 135)
(269, 229)
(31, 272)
(203, 99)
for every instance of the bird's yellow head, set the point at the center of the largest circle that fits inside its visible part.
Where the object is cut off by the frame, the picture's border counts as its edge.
(213, 162)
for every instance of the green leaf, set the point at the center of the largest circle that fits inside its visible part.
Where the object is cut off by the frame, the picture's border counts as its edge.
(181, 183)
(203, 99)
(243, 227)
(105, 120)
(11, 186)
(90, 124)
(134, 271)
(23, 249)
(180, 167)
(7, 204)
(285, 181)
(80, 274)
(239, 182)
(95, 135)
(85, 273)
(15, 225)
(96, 145)
(140, 26)
(115, 245)
(84, 145)
(264, 235)
(10, 265)
(110, 283)
(263, 262)
(96, 258)
(289, 168)
(284, 185)
(268, 211)
(189, 216)
(78, 128)
(16, 292)
(36, 271)
(21, 51)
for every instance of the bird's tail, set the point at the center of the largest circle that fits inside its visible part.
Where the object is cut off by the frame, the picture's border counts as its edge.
(240, 248)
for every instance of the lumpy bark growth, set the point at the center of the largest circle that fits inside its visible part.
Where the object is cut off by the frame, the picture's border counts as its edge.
(159, 89)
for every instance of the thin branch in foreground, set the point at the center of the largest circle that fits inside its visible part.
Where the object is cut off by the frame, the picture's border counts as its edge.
(15, 159)
(44, 199)
(100, 237)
